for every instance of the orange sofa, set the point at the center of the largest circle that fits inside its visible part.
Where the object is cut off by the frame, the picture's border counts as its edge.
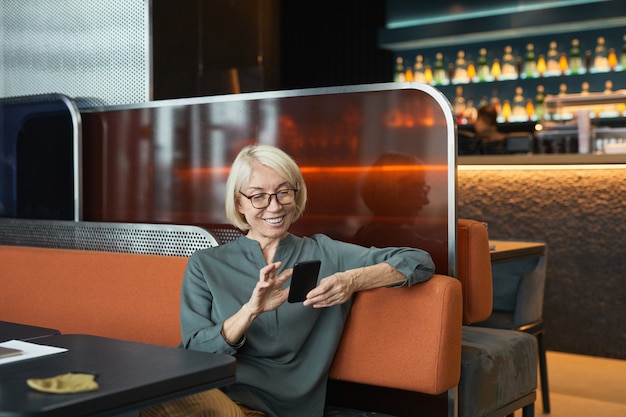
(136, 297)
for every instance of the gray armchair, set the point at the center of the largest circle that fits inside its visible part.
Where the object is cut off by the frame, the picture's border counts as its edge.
(518, 293)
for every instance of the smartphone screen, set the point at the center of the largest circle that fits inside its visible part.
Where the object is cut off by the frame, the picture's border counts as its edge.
(303, 280)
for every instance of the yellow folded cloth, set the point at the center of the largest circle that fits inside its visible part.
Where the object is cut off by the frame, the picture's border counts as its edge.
(69, 383)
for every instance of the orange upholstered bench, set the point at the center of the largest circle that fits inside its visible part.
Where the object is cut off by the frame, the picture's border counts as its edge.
(404, 338)
(121, 295)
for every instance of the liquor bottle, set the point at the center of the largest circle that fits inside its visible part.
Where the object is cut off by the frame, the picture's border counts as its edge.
(564, 113)
(495, 101)
(418, 69)
(542, 68)
(399, 71)
(539, 102)
(428, 75)
(575, 60)
(530, 65)
(460, 69)
(470, 113)
(623, 56)
(518, 111)
(408, 74)
(439, 71)
(459, 104)
(584, 88)
(612, 59)
(563, 65)
(482, 70)
(530, 109)
(600, 59)
(471, 71)
(552, 61)
(508, 64)
(506, 110)
(496, 69)
(588, 61)
(610, 110)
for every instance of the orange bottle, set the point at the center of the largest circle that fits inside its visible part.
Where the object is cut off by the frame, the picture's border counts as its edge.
(408, 74)
(563, 63)
(530, 109)
(471, 71)
(612, 59)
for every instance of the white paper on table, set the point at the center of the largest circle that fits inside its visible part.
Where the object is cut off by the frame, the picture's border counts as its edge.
(29, 350)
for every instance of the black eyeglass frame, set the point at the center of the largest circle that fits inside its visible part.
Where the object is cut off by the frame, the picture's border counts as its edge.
(269, 197)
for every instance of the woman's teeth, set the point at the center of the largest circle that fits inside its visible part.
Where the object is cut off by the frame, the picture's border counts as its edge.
(274, 220)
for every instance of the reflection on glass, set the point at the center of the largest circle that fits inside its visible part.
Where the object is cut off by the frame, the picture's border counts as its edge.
(395, 191)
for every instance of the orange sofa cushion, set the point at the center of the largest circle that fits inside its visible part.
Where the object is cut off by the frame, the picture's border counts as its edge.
(125, 296)
(404, 338)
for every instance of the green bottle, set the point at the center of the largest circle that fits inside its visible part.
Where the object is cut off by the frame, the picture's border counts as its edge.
(482, 69)
(539, 102)
(575, 59)
(439, 71)
(530, 63)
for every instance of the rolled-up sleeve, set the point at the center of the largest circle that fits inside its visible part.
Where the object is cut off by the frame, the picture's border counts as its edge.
(415, 264)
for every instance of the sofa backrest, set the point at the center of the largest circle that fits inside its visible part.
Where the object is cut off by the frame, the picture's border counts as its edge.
(474, 270)
(126, 296)
(474, 265)
(120, 280)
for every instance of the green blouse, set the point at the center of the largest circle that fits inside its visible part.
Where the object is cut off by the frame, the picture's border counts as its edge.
(283, 366)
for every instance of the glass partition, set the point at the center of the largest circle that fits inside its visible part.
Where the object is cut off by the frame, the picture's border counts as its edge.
(39, 158)
(379, 161)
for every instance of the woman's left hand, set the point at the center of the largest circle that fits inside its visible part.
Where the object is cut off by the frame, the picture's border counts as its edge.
(332, 290)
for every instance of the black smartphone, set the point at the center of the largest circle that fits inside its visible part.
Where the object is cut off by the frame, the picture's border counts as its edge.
(303, 280)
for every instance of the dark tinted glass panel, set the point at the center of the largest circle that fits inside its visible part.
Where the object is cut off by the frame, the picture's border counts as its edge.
(38, 171)
(375, 159)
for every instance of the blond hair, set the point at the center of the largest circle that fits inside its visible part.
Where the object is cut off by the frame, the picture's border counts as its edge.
(271, 157)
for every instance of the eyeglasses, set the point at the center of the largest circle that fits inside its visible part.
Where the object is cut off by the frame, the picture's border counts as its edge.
(263, 200)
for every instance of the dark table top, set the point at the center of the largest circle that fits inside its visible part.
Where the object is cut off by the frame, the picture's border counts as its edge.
(17, 331)
(131, 376)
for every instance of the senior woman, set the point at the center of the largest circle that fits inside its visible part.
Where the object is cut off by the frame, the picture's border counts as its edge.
(234, 296)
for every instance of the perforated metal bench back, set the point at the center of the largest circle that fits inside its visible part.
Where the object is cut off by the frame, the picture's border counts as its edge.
(224, 233)
(141, 238)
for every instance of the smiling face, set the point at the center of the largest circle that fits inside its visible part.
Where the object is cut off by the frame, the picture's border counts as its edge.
(272, 222)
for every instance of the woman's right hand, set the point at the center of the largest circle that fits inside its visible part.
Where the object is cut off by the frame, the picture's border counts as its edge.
(268, 294)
